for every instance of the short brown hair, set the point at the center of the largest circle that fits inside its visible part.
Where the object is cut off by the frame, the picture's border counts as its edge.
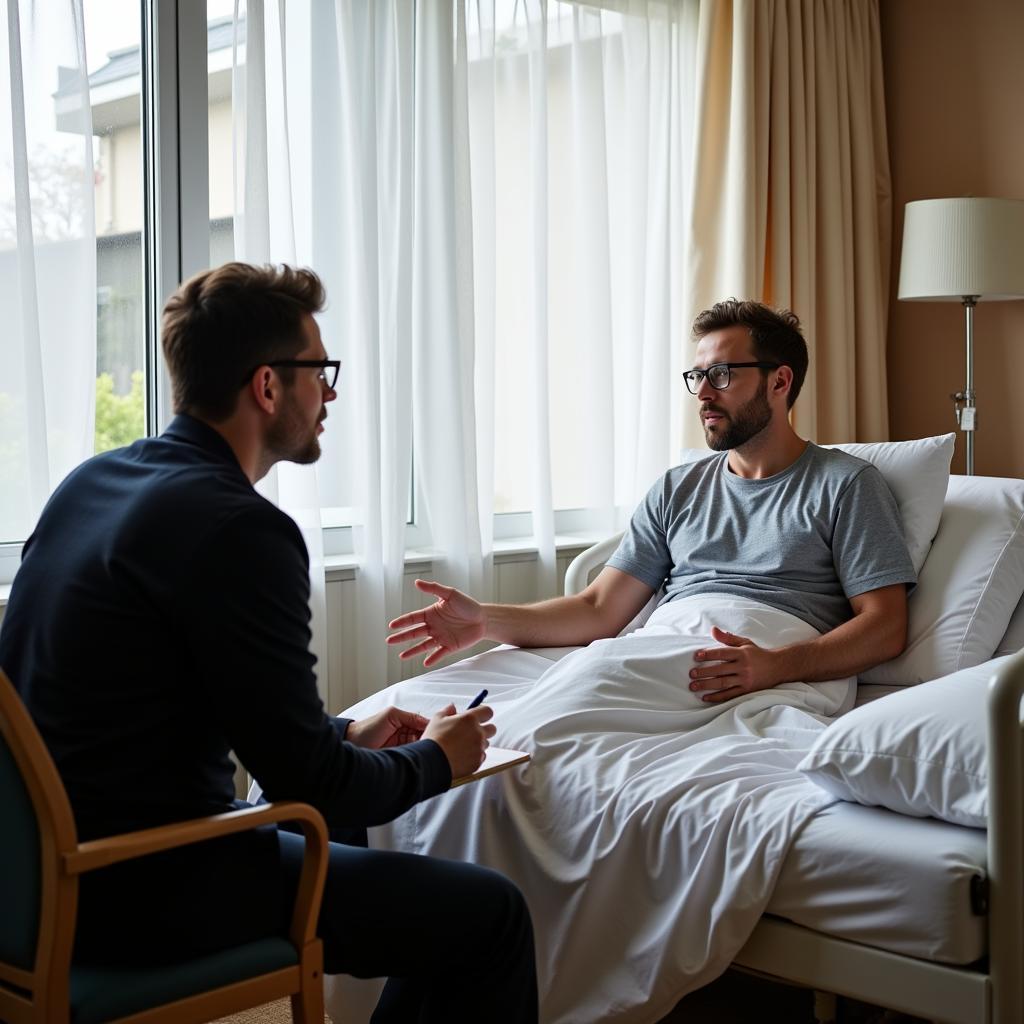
(775, 334)
(223, 323)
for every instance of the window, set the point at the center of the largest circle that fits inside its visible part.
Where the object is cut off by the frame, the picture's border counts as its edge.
(79, 270)
(113, 52)
(219, 47)
(147, 96)
(576, 117)
(525, 103)
(69, 206)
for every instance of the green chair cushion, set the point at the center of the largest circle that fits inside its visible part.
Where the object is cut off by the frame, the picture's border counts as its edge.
(101, 994)
(20, 867)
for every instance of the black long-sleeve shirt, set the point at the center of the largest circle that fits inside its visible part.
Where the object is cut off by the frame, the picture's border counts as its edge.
(159, 619)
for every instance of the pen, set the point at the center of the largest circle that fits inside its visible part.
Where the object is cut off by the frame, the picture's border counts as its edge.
(478, 699)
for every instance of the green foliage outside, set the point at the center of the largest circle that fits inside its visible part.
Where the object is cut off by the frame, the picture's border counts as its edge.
(120, 419)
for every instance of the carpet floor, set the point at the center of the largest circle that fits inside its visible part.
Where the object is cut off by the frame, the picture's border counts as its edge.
(279, 1012)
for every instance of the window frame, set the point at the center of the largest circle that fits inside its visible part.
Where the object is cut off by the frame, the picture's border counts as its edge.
(176, 229)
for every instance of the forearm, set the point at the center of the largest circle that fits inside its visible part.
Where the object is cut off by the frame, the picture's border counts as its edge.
(259, 687)
(560, 622)
(849, 649)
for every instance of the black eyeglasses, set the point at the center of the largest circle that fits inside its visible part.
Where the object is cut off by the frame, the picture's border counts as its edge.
(719, 375)
(328, 369)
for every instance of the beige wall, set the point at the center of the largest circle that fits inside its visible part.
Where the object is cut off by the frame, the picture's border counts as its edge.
(954, 81)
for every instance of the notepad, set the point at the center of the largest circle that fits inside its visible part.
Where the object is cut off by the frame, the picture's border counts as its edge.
(497, 759)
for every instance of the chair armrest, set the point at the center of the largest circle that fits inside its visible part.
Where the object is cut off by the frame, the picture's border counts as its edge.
(98, 853)
(578, 572)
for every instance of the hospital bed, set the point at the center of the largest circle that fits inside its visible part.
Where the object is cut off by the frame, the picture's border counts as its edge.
(912, 908)
(911, 913)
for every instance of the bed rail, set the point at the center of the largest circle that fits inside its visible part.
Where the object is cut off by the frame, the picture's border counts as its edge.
(1006, 842)
(577, 576)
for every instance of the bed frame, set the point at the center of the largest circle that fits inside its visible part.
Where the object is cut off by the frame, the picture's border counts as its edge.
(988, 992)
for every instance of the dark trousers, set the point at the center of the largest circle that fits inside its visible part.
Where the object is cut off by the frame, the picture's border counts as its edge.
(454, 940)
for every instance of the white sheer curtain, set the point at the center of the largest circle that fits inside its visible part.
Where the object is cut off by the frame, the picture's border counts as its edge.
(381, 170)
(396, 260)
(47, 257)
(271, 130)
(367, 258)
(492, 193)
(580, 126)
(446, 390)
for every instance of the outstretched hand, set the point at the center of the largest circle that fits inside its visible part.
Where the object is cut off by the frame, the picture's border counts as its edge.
(739, 667)
(453, 622)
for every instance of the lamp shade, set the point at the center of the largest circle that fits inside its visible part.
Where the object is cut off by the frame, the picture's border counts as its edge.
(953, 248)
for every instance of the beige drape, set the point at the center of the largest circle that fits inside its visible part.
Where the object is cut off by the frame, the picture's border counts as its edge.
(791, 197)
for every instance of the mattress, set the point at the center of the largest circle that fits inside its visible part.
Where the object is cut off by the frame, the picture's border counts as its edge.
(914, 886)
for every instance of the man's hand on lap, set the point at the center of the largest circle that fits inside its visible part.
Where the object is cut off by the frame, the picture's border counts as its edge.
(391, 727)
(737, 668)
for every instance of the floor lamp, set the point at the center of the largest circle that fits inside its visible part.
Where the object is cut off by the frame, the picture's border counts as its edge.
(969, 251)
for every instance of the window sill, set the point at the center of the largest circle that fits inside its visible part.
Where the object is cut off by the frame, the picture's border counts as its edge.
(512, 549)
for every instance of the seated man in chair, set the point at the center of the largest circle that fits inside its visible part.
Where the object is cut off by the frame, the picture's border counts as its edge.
(160, 619)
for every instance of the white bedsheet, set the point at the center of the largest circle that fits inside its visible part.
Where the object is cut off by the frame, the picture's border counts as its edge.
(648, 830)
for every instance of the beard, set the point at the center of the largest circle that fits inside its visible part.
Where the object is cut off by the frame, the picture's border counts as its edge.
(735, 431)
(289, 437)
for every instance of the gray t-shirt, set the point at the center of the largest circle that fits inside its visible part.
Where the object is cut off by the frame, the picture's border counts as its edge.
(806, 540)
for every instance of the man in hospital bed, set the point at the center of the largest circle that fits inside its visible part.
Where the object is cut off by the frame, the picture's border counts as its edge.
(648, 829)
(810, 532)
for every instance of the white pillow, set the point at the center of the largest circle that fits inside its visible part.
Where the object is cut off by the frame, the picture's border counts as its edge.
(921, 751)
(969, 586)
(915, 471)
(1013, 638)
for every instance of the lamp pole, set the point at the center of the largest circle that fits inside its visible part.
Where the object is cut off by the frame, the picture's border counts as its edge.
(964, 401)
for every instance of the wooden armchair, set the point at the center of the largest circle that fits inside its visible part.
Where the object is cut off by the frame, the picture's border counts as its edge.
(40, 861)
